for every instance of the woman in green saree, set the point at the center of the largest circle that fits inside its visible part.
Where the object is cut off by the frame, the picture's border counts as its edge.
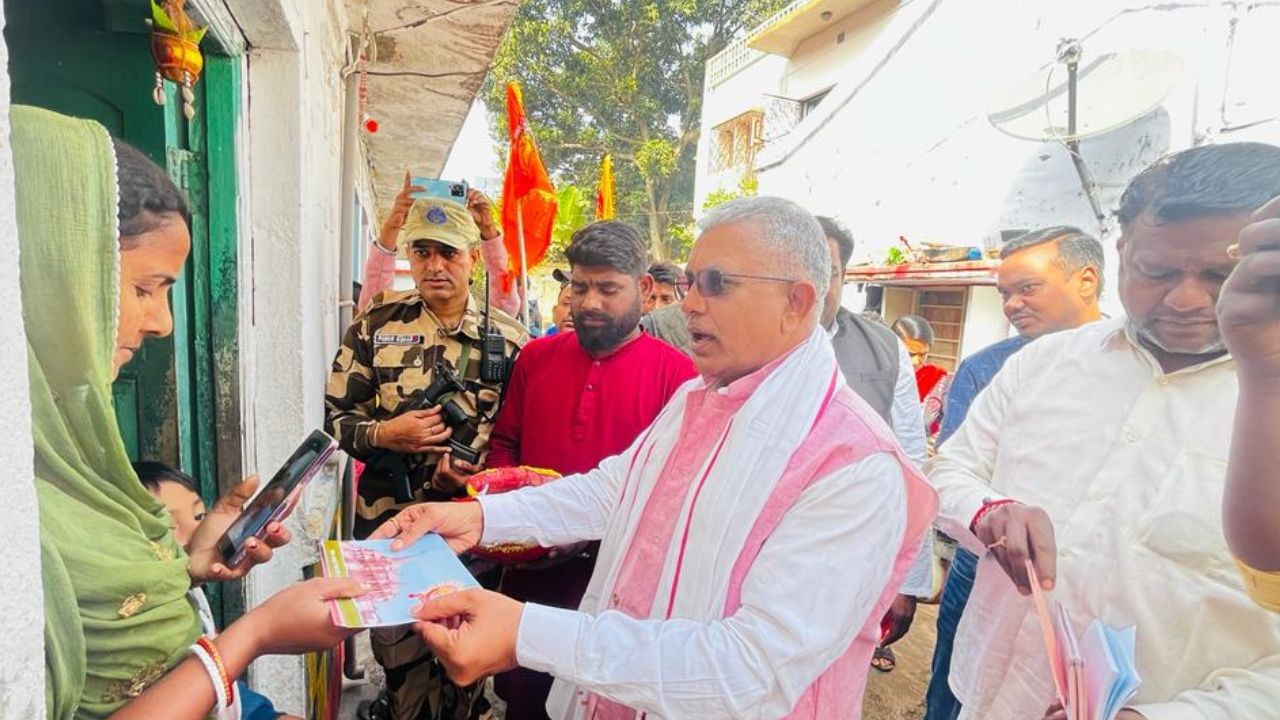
(103, 236)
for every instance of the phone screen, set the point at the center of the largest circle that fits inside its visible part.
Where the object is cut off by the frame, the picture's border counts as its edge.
(444, 189)
(279, 495)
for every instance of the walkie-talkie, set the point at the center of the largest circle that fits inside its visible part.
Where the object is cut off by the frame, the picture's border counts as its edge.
(494, 364)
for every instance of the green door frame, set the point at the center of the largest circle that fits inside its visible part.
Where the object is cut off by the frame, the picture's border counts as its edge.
(202, 158)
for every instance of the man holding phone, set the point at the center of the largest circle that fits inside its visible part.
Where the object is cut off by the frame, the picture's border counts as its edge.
(413, 382)
(380, 267)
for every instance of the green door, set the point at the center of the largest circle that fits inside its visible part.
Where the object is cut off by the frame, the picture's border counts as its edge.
(62, 57)
(177, 402)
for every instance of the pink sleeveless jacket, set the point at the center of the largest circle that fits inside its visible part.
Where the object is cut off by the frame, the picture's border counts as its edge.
(837, 693)
(846, 432)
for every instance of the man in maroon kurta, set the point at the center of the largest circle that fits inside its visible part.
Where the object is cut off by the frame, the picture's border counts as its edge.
(577, 398)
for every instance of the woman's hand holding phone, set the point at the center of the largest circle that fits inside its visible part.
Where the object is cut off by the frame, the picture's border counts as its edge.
(206, 562)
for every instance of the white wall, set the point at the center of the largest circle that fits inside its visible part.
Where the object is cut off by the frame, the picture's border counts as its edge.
(289, 252)
(984, 321)
(742, 92)
(820, 61)
(903, 147)
(22, 602)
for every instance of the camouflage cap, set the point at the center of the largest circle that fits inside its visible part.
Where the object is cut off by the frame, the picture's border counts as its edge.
(442, 221)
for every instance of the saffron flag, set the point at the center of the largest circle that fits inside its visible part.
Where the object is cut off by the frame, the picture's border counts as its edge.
(528, 199)
(604, 195)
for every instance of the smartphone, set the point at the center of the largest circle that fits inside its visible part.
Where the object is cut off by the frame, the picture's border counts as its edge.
(446, 189)
(276, 500)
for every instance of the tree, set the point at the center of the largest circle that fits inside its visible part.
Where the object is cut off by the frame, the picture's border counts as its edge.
(683, 236)
(571, 215)
(625, 77)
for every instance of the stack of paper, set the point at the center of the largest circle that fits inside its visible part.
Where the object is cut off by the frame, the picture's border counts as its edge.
(396, 581)
(1095, 676)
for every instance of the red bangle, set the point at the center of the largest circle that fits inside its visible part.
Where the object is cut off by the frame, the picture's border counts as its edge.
(987, 507)
(209, 647)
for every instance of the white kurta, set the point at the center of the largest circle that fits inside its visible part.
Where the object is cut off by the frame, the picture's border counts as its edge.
(906, 419)
(805, 597)
(1130, 464)
(753, 665)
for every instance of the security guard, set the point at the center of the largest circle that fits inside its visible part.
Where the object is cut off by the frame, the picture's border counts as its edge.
(390, 354)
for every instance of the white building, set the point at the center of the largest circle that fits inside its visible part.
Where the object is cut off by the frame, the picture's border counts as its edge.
(281, 224)
(876, 112)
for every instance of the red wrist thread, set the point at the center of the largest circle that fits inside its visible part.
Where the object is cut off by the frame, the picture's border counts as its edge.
(986, 508)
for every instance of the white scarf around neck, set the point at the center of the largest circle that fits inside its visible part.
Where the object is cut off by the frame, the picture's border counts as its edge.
(730, 488)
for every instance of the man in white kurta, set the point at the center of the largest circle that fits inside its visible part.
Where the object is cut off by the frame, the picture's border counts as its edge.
(752, 537)
(1112, 439)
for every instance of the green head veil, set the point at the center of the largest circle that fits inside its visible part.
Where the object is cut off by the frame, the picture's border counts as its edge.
(115, 580)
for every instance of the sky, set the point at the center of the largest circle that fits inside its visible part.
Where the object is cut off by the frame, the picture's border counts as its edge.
(473, 157)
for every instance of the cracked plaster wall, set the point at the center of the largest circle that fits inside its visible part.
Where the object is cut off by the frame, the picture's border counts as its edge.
(289, 328)
(21, 605)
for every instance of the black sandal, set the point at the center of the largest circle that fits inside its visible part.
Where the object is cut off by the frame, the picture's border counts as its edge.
(377, 709)
(883, 660)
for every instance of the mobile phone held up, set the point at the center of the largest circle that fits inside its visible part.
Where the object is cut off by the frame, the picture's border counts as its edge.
(277, 498)
(444, 189)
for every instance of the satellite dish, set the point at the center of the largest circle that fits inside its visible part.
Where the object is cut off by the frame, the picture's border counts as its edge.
(1075, 98)
(1110, 91)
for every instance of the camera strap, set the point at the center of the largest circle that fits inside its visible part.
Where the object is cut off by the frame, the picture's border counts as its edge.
(463, 360)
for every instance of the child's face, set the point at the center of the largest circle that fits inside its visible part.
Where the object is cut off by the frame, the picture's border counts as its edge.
(185, 507)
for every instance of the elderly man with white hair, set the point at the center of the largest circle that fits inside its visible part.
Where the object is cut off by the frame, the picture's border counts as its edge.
(752, 537)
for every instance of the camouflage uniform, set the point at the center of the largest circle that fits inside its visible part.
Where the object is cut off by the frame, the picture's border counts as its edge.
(388, 355)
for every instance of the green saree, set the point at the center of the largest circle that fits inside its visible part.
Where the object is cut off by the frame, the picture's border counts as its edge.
(116, 612)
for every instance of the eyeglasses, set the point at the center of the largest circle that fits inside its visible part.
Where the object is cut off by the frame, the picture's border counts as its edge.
(710, 282)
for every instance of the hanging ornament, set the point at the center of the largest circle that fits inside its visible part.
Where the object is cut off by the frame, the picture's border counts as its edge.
(369, 124)
(175, 50)
(157, 93)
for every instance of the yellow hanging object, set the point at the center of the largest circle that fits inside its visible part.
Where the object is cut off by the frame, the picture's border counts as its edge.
(605, 207)
(175, 49)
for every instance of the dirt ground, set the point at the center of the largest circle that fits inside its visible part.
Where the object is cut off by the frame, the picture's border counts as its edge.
(899, 695)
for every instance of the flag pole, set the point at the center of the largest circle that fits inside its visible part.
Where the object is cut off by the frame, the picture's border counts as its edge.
(524, 264)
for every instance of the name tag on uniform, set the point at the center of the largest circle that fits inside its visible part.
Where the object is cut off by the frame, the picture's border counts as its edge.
(388, 339)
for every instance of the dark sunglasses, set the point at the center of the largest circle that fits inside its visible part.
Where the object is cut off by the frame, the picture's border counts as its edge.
(710, 282)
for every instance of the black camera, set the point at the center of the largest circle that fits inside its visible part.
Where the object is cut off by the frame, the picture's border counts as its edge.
(447, 384)
(440, 392)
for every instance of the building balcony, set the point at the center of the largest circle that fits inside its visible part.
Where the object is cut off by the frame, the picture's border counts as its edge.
(730, 61)
(782, 33)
